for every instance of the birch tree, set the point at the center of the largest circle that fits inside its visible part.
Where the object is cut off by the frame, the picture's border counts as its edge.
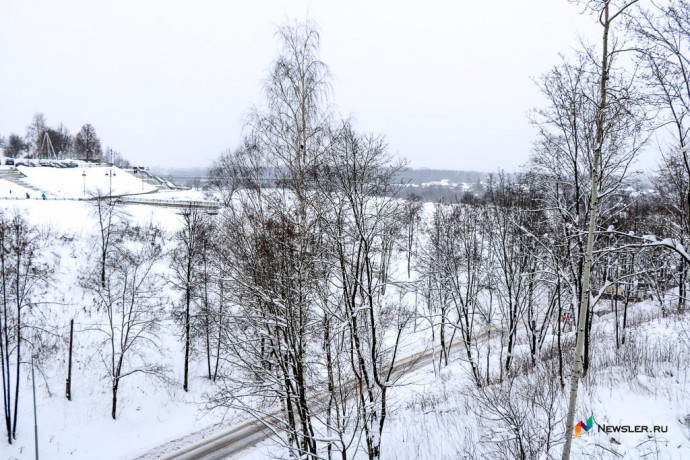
(286, 138)
(608, 11)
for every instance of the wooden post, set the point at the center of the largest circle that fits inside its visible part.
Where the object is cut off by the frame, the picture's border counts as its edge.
(68, 385)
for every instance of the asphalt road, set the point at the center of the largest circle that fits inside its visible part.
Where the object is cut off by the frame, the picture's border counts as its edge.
(237, 439)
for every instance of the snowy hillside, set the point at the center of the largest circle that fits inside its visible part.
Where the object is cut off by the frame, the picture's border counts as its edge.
(76, 182)
(153, 409)
(433, 415)
(82, 181)
(438, 415)
(65, 228)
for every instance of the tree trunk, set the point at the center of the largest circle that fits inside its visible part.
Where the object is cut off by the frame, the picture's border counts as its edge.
(594, 203)
(116, 383)
(68, 384)
(207, 318)
(511, 331)
(185, 385)
(559, 334)
(220, 332)
(4, 348)
(103, 258)
(19, 350)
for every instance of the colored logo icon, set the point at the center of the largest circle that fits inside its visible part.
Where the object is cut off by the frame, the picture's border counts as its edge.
(582, 426)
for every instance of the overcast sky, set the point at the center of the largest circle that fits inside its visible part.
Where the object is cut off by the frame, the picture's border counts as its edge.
(168, 83)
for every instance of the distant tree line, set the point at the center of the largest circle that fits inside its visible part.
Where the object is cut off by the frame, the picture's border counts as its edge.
(44, 141)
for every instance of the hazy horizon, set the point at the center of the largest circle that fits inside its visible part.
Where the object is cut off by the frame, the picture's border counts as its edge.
(449, 85)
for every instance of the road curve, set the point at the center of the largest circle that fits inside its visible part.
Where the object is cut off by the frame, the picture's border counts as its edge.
(238, 438)
(224, 444)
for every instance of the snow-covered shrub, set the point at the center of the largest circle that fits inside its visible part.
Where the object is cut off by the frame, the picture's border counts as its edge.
(522, 416)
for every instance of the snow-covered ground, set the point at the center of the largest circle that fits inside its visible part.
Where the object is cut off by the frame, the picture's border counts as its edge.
(433, 414)
(84, 181)
(81, 183)
(13, 191)
(152, 410)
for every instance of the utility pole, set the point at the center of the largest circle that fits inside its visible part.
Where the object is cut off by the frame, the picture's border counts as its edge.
(111, 174)
(33, 384)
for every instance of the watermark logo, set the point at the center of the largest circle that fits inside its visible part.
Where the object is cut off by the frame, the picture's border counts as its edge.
(584, 426)
(632, 428)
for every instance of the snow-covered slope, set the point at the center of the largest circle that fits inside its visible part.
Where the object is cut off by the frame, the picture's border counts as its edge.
(152, 410)
(84, 181)
(433, 414)
(436, 416)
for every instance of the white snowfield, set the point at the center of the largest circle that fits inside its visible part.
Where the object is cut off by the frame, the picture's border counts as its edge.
(84, 182)
(151, 412)
(74, 183)
(430, 414)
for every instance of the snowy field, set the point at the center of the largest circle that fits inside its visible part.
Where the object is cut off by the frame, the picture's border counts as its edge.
(152, 411)
(82, 183)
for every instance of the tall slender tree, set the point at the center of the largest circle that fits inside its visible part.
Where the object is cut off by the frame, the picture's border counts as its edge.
(34, 133)
(287, 139)
(608, 11)
(187, 264)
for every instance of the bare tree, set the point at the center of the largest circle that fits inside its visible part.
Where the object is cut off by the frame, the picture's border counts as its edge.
(364, 211)
(458, 267)
(664, 35)
(23, 275)
(512, 251)
(87, 145)
(16, 146)
(304, 255)
(520, 415)
(433, 286)
(235, 170)
(188, 259)
(279, 228)
(571, 132)
(110, 220)
(663, 31)
(412, 220)
(133, 307)
(34, 133)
